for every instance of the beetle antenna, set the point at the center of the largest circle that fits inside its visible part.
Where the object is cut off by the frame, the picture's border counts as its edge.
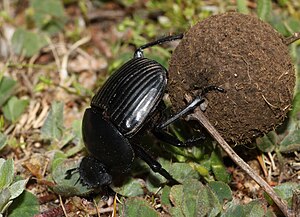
(139, 52)
(70, 172)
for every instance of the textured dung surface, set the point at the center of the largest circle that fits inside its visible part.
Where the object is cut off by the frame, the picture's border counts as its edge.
(246, 57)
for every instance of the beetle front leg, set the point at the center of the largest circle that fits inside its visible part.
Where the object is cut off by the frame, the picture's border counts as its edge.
(172, 140)
(164, 136)
(191, 106)
(154, 165)
(161, 134)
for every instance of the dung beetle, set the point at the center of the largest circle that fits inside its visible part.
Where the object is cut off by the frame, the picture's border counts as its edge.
(119, 112)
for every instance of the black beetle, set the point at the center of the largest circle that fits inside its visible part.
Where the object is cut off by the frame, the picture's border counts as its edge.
(119, 111)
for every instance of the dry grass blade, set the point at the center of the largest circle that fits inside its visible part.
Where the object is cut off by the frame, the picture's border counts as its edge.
(296, 203)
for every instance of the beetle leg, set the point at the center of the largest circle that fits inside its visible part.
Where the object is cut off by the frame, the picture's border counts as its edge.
(153, 164)
(191, 106)
(109, 192)
(196, 102)
(139, 52)
(164, 136)
(172, 140)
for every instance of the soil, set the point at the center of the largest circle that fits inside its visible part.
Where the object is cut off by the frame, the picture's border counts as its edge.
(247, 58)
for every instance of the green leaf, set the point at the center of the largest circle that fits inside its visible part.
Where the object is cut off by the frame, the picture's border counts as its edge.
(26, 205)
(203, 171)
(4, 200)
(264, 9)
(136, 207)
(53, 126)
(154, 180)
(68, 186)
(296, 107)
(165, 196)
(234, 210)
(291, 142)
(194, 199)
(283, 2)
(293, 24)
(17, 188)
(27, 43)
(76, 129)
(253, 209)
(222, 190)
(182, 172)
(177, 209)
(290, 137)
(3, 140)
(7, 86)
(14, 108)
(131, 188)
(66, 138)
(267, 142)
(74, 150)
(2, 161)
(48, 15)
(242, 6)
(7, 173)
(77, 138)
(48, 7)
(58, 158)
(218, 168)
(179, 171)
(285, 191)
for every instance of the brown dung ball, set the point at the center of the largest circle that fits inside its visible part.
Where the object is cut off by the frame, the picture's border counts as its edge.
(247, 58)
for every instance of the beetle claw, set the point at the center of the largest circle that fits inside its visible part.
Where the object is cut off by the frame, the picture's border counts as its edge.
(109, 192)
(173, 182)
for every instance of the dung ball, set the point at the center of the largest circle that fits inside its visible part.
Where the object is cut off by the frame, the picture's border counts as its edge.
(246, 57)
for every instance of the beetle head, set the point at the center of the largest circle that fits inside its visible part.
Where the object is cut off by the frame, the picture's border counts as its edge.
(93, 173)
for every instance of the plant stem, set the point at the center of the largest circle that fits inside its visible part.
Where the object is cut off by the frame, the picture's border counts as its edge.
(26, 65)
(291, 39)
(200, 117)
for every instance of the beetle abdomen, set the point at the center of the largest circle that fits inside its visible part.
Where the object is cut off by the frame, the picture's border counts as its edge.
(132, 93)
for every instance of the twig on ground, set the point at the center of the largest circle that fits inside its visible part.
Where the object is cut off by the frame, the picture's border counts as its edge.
(291, 39)
(57, 211)
(296, 203)
(200, 117)
(62, 206)
(106, 15)
(54, 51)
(63, 70)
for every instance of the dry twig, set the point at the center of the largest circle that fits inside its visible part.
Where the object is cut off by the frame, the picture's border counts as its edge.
(200, 117)
(63, 70)
(291, 39)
